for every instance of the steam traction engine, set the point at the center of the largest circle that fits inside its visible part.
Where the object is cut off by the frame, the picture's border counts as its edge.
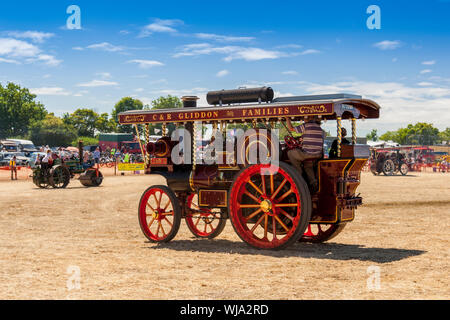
(270, 204)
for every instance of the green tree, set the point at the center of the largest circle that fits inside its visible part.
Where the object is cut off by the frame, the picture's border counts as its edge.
(18, 110)
(125, 104)
(168, 102)
(445, 136)
(373, 135)
(87, 141)
(88, 122)
(52, 131)
(389, 136)
(418, 134)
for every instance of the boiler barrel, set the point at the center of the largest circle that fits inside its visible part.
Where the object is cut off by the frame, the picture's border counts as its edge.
(263, 94)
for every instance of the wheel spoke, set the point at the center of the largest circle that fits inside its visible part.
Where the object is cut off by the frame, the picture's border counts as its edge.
(274, 229)
(151, 222)
(162, 229)
(278, 189)
(171, 225)
(167, 205)
(244, 206)
(169, 213)
(271, 184)
(258, 223)
(279, 205)
(252, 196)
(281, 222)
(160, 197)
(198, 220)
(266, 218)
(151, 208)
(253, 214)
(156, 200)
(285, 195)
(255, 186)
(286, 214)
(263, 183)
(159, 226)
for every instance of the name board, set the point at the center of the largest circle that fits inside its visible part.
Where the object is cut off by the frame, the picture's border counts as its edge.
(228, 113)
(130, 166)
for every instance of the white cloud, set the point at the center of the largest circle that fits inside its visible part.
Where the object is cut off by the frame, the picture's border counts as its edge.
(104, 75)
(290, 73)
(98, 83)
(426, 71)
(309, 51)
(387, 45)
(46, 59)
(222, 73)
(50, 91)
(221, 38)
(17, 48)
(400, 104)
(78, 48)
(9, 61)
(425, 84)
(35, 36)
(230, 52)
(429, 63)
(253, 54)
(289, 46)
(160, 26)
(145, 64)
(105, 46)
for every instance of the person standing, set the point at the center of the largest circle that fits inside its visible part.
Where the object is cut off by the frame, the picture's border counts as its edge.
(13, 167)
(96, 156)
(126, 158)
(46, 162)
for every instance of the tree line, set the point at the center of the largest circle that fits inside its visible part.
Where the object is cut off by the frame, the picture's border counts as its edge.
(22, 117)
(420, 133)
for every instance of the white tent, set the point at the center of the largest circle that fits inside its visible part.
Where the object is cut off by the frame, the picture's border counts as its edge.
(382, 144)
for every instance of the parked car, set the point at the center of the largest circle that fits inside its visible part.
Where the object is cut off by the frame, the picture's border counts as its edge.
(8, 146)
(21, 159)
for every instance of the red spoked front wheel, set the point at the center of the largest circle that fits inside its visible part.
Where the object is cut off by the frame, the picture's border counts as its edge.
(203, 222)
(270, 205)
(317, 233)
(159, 214)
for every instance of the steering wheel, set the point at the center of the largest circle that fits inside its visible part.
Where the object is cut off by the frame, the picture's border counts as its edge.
(292, 143)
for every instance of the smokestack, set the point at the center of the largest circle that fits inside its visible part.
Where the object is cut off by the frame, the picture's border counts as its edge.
(189, 101)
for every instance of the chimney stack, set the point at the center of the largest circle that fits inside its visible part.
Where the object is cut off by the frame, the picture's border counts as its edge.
(189, 101)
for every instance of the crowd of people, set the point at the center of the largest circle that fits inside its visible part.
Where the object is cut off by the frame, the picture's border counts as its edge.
(45, 156)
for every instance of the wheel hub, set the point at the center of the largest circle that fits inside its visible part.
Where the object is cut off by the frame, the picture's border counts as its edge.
(266, 205)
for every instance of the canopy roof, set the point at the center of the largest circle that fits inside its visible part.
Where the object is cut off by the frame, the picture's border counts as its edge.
(327, 107)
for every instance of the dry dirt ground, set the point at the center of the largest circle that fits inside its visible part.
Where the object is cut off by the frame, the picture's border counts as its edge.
(85, 243)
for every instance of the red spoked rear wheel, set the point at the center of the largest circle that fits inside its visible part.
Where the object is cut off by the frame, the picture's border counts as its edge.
(270, 205)
(159, 214)
(321, 232)
(203, 222)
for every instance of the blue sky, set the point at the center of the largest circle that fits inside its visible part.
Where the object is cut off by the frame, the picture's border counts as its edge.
(146, 49)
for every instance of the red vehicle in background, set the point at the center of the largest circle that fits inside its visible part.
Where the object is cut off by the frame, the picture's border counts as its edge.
(416, 158)
(119, 141)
